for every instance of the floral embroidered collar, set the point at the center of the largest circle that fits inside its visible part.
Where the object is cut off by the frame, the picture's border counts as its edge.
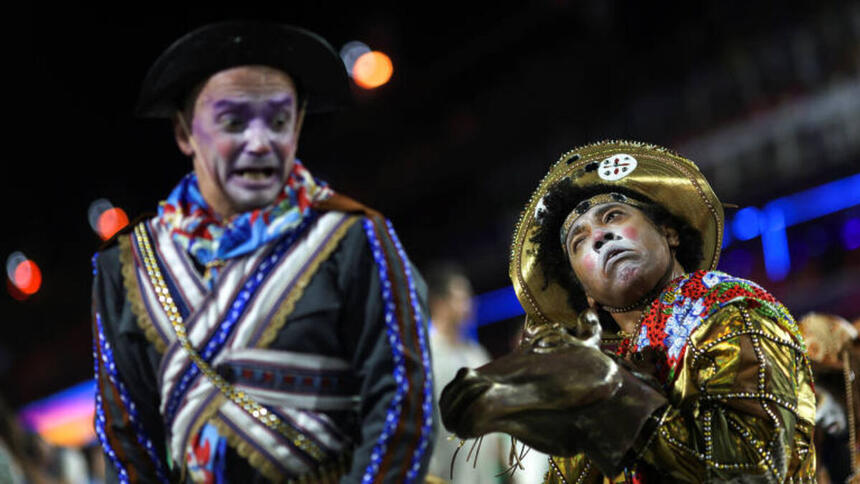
(687, 302)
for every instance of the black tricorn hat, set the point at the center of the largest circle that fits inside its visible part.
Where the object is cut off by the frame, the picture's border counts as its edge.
(305, 56)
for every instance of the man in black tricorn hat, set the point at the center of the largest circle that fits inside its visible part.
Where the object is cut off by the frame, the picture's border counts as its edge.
(260, 326)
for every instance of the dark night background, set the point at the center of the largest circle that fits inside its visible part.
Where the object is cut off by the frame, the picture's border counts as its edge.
(764, 96)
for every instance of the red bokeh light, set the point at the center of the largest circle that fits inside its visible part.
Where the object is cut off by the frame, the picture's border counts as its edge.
(111, 221)
(372, 69)
(28, 277)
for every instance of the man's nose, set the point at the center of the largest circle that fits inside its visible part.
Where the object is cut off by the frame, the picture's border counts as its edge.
(601, 239)
(257, 139)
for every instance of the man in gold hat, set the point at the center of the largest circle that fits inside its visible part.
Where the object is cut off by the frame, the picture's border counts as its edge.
(697, 376)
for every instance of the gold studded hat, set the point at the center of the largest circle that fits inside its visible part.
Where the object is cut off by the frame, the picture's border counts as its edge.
(673, 182)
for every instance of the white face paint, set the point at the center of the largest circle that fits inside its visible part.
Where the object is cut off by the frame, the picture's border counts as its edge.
(540, 207)
(616, 167)
(245, 127)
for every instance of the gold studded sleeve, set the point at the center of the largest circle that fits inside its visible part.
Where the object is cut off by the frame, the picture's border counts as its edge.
(742, 405)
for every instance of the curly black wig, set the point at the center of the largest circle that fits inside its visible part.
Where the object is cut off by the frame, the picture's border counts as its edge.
(562, 198)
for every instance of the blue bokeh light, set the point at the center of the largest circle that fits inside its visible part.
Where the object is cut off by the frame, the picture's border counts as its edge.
(774, 241)
(727, 237)
(851, 233)
(746, 223)
(497, 305)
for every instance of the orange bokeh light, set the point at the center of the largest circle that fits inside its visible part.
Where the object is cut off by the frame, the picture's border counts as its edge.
(75, 431)
(28, 277)
(372, 69)
(111, 221)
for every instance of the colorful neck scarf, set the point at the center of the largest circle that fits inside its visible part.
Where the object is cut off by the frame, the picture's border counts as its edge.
(196, 228)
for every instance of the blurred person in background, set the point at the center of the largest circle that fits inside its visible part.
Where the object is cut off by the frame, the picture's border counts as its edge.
(260, 326)
(12, 452)
(832, 344)
(42, 461)
(27, 458)
(72, 465)
(451, 309)
(95, 463)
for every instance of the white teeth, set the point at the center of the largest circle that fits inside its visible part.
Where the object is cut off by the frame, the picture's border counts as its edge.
(254, 175)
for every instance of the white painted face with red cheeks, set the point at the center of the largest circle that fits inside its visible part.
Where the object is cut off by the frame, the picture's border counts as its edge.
(617, 253)
(245, 134)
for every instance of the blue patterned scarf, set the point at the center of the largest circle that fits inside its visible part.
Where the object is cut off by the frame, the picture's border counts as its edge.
(212, 242)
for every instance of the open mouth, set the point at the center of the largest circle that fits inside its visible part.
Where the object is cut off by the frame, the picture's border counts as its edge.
(255, 174)
(613, 256)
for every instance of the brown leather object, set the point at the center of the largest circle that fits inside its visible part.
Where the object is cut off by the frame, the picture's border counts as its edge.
(556, 394)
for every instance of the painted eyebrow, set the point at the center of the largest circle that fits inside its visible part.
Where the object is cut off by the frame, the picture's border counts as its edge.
(230, 105)
(598, 214)
(285, 101)
(576, 231)
(226, 104)
(605, 208)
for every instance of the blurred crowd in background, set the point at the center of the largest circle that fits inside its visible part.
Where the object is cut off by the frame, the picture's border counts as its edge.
(26, 457)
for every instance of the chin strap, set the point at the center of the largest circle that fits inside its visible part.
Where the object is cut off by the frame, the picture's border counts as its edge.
(641, 303)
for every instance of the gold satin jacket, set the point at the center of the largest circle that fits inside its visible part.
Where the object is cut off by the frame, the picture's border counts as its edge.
(741, 404)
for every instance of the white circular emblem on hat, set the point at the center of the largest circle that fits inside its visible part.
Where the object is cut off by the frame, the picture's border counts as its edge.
(616, 167)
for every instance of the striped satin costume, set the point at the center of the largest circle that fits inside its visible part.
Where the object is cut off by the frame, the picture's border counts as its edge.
(305, 361)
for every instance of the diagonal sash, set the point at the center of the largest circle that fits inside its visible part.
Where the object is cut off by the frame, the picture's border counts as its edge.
(215, 325)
